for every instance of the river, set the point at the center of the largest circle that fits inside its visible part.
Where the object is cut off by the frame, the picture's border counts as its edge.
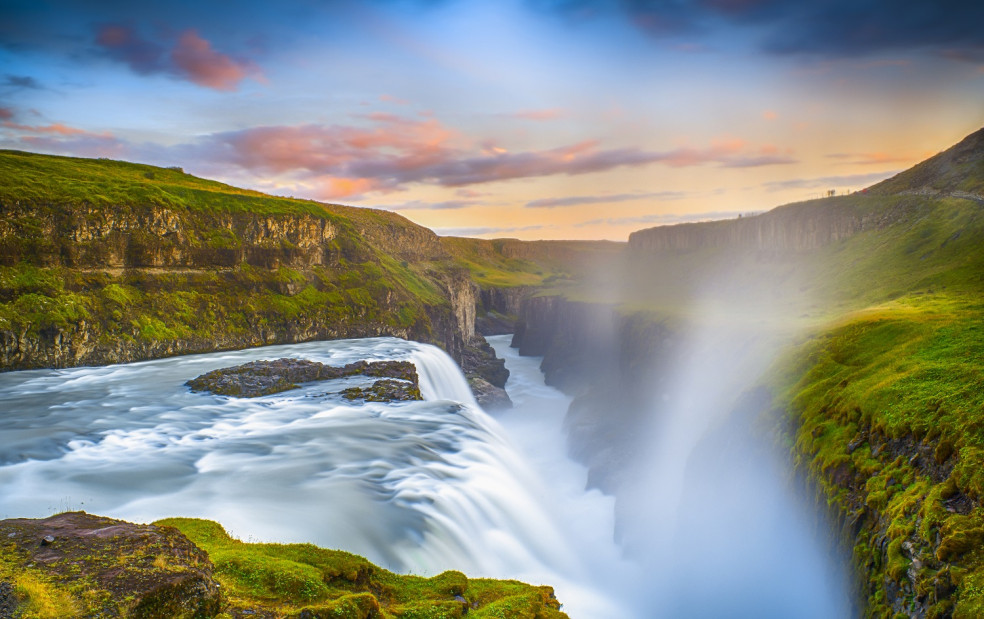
(417, 487)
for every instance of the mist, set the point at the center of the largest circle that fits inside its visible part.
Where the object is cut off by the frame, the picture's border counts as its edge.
(708, 504)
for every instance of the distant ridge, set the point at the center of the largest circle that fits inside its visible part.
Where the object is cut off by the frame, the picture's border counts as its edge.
(957, 172)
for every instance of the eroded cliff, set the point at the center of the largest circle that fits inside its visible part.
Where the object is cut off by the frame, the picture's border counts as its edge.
(105, 262)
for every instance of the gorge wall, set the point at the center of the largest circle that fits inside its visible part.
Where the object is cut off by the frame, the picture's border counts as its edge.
(792, 228)
(92, 285)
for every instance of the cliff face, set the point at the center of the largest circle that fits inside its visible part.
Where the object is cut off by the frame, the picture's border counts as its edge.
(612, 363)
(793, 228)
(146, 236)
(83, 283)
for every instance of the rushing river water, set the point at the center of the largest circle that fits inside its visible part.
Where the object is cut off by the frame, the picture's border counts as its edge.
(415, 486)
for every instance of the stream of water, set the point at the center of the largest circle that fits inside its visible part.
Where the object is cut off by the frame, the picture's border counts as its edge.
(417, 487)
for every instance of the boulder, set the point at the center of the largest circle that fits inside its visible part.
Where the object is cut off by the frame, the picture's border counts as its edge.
(95, 566)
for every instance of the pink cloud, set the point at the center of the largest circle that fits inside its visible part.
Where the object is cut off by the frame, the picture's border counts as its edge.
(54, 128)
(6, 113)
(337, 188)
(191, 57)
(394, 152)
(194, 57)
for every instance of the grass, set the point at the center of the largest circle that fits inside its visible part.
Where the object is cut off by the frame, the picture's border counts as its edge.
(74, 181)
(37, 596)
(507, 263)
(888, 415)
(291, 578)
(885, 396)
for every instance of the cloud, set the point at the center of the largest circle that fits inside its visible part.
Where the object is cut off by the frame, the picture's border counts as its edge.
(823, 28)
(21, 81)
(849, 180)
(54, 128)
(194, 57)
(662, 218)
(605, 199)
(191, 57)
(769, 115)
(758, 161)
(841, 28)
(389, 152)
(876, 158)
(483, 231)
(546, 114)
(124, 44)
(417, 205)
(58, 138)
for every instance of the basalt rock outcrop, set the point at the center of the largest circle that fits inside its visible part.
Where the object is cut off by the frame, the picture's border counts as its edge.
(76, 562)
(612, 363)
(259, 378)
(385, 390)
(169, 264)
(486, 374)
(792, 228)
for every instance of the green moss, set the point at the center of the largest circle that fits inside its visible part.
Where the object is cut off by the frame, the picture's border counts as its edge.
(290, 578)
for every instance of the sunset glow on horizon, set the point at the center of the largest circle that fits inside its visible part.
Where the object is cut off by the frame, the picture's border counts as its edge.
(531, 119)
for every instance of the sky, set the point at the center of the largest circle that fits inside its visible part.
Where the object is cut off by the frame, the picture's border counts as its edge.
(555, 119)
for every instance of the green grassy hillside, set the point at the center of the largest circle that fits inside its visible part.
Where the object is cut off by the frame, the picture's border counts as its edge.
(104, 261)
(190, 568)
(289, 578)
(883, 391)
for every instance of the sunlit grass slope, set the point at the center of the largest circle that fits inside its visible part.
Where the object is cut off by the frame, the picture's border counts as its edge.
(508, 263)
(287, 579)
(384, 275)
(884, 391)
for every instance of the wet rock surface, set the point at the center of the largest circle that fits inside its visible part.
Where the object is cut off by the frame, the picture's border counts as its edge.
(486, 374)
(488, 396)
(260, 378)
(119, 568)
(479, 359)
(385, 390)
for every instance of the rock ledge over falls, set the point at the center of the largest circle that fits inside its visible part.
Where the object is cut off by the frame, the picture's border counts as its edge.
(120, 569)
(81, 565)
(259, 378)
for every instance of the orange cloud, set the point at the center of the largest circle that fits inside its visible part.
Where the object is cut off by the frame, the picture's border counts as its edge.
(394, 152)
(55, 128)
(769, 115)
(336, 188)
(194, 57)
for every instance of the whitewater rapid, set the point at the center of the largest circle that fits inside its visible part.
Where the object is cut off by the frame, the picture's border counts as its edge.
(417, 487)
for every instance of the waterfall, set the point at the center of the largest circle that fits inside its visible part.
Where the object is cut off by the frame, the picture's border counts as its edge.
(416, 487)
(440, 377)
